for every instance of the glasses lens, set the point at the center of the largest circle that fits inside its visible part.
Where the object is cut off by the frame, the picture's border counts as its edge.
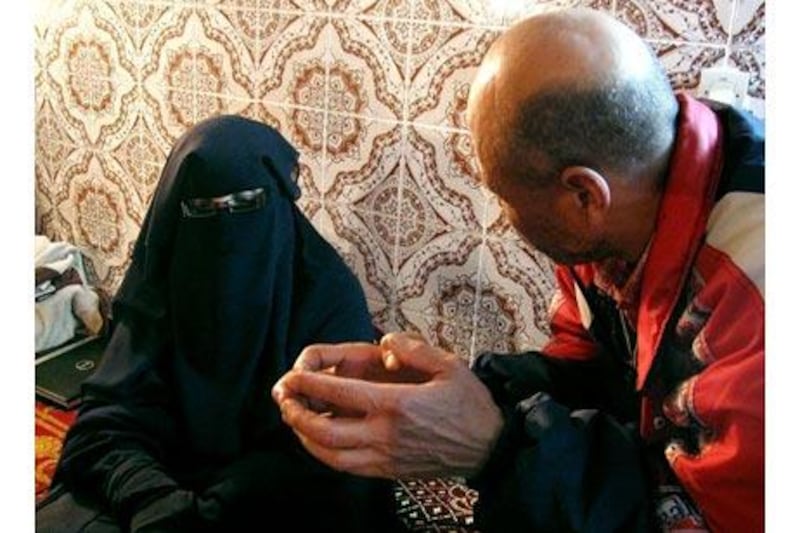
(237, 202)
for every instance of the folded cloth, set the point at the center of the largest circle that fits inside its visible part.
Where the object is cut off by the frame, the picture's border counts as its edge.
(58, 256)
(60, 317)
(65, 302)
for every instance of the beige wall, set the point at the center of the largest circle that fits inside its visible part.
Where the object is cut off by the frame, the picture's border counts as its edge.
(372, 93)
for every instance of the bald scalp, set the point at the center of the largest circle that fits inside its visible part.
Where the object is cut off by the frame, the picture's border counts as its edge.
(581, 89)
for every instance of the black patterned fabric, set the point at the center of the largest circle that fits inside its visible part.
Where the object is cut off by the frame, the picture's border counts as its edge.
(435, 505)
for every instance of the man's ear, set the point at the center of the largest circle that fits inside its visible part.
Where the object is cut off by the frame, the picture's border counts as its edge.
(590, 189)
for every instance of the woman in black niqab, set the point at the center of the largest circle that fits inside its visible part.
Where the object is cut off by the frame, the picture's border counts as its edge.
(228, 282)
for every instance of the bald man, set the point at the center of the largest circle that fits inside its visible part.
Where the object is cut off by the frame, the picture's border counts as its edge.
(645, 410)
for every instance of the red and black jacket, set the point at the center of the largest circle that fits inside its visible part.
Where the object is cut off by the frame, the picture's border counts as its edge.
(655, 420)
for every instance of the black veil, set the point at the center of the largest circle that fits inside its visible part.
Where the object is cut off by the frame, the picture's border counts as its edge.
(228, 282)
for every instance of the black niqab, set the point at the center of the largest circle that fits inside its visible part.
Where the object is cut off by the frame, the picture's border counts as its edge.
(211, 312)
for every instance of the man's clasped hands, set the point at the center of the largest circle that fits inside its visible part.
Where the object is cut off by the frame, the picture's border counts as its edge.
(400, 408)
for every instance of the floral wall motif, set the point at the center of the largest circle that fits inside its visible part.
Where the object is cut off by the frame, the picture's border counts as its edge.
(371, 92)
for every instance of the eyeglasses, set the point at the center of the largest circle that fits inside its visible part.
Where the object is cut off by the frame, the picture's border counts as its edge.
(235, 202)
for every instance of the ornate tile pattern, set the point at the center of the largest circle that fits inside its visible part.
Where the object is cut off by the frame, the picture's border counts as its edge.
(438, 278)
(98, 210)
(167, 74)
(516, 288)
(747, 48)
(366, 241)
(442, 173)
(367, 65)
(93, 73)
(139, 157)
(453, 331)
(371, 92)
(52, 143)
(685, 61)
(364, 163)
(696, 21)
(442, 61)
(223, 58)
(291, 70)
(510, 12)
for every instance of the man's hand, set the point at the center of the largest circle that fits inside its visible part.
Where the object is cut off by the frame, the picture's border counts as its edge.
(441, 423)
(358, 360)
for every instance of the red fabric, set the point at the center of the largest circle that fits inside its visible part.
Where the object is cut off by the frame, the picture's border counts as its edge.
(569, 338)
(686, 203)
(727, 397)
(51, 426)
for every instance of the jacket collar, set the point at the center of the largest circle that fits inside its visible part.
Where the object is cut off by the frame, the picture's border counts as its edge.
(685, 204)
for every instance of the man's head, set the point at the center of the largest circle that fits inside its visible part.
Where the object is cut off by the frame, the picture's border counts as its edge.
(571, 115)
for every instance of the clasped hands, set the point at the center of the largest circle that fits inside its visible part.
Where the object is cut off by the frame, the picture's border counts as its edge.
(399, 409)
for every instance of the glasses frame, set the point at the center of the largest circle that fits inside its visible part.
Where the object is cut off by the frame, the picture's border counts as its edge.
(235, 202)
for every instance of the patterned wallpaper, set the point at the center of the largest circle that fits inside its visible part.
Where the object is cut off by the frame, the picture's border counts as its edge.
(372, 93)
